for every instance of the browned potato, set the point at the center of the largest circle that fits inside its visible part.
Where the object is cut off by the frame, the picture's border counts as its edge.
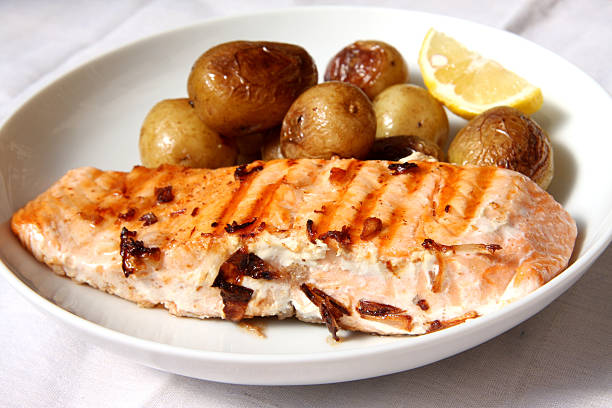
(172, 133)
(397, 147)
(259, 146)
(505, 137)
(271, 149)
(250, 144)
(332, 118)
(370, 65)
(243, 87)
(407, 109)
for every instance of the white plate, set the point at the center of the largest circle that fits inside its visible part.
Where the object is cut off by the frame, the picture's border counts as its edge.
(92, 116)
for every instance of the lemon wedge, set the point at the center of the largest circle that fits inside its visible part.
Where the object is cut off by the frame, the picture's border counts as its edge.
(468, 83)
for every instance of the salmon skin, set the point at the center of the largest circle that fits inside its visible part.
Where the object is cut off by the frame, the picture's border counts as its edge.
(372, 246)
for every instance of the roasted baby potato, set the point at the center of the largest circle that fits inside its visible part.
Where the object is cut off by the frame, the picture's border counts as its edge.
(251, 146)
(271, 149)
(395, 148)
(505, 137)
(369, 65)
(330, 119)
(243, 87)
(407, 109)
(172, 133)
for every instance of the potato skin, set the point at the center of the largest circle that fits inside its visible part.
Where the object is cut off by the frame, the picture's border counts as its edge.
(329, 119)
(172, 133)
(250, 144)
(407, 109)
(369, 65)
(243, 87)
(505, 137)
(394, 148)
(250, 147)
(271, 149)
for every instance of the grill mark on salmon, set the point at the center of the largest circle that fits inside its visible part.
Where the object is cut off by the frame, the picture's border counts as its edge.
(467, 277)
(234, 201)
(412, 183)
(332, 206)
(392, 227)
(262, 206)
(415, 180)
(449, 190)
(483, 180)
(445, 191)
(317, 178)
(369, 203)
(462, 216)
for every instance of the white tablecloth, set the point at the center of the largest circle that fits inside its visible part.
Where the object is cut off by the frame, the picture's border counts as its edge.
(561, 357)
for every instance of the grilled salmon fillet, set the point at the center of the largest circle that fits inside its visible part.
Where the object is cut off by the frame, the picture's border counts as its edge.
(373, 246)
